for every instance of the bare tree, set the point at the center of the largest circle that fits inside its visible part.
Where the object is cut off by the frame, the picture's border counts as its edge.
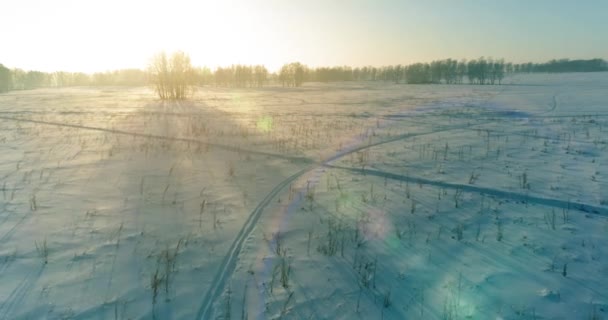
(173, 77)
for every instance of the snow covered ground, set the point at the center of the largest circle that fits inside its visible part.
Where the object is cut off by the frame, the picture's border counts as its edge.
(330, 201)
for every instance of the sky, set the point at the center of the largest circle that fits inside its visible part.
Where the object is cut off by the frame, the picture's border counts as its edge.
(101, 35)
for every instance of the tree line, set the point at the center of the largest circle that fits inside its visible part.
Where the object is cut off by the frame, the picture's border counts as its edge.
(563, 65)
(18, 79)
(240, 76)
(481, 71)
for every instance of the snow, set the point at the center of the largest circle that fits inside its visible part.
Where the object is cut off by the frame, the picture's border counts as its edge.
(330, 201)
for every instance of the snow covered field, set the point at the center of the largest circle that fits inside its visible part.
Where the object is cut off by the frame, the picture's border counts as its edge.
(330, 201)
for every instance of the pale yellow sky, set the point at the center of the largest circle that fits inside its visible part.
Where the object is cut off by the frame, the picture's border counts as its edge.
(99, 35)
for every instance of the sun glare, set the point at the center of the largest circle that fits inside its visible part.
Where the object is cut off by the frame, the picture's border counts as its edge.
(115, 35)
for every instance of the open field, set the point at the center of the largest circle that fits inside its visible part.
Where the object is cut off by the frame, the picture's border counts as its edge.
(356, 200)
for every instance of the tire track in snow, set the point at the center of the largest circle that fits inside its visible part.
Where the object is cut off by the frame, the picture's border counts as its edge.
(161, 137)
(19, 293)
(229, 262)
(14, 228)
(550, 202)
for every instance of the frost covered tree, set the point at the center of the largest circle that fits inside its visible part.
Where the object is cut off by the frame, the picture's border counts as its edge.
(172, 76)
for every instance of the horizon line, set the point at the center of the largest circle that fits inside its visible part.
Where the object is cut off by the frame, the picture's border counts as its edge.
(214, 68)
